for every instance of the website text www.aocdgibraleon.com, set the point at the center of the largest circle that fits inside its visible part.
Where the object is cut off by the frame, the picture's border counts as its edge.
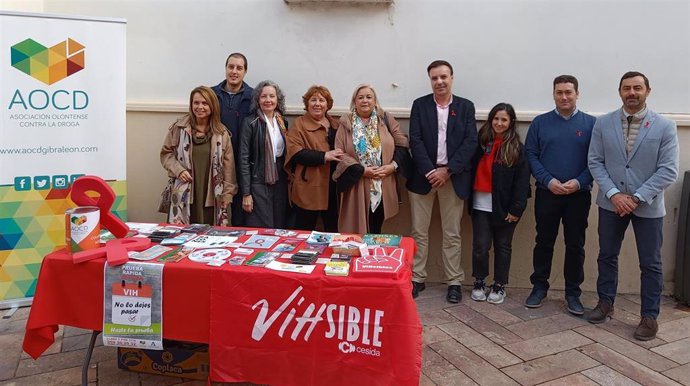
(46, 150)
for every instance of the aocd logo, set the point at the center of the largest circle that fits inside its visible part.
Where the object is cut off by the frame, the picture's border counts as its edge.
(49, 65)
(59, 99)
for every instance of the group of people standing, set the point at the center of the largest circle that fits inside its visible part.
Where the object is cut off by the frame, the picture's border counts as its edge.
(235, 139)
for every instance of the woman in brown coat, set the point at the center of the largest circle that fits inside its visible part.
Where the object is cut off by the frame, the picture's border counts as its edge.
(197, 154)
(310, 163)
(366, 174)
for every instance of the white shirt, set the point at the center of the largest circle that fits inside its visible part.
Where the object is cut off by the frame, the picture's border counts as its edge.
(442, 117)
(482, 201)
(276, 137)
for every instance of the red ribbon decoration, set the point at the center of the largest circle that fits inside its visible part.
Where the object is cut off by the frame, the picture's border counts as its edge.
(105, 202)
(114, 250)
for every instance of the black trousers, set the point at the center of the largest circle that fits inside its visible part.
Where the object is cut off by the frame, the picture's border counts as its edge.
(483, 232)
(376, 219)
(550, 210)
(237, 218)
(270, 202)
(305, 219)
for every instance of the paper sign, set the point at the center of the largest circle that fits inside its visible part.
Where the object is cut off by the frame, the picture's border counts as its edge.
(131, 304)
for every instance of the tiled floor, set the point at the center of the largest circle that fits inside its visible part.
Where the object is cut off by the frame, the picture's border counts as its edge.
(477, 343)
(472, 343)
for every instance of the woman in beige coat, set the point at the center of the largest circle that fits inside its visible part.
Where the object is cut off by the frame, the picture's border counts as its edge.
(366, 174)
(197, 154)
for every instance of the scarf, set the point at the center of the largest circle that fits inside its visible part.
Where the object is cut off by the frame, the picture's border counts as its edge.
(367, 144)
(270, 169)
(483, 179)
(181, 197)
(217, 179)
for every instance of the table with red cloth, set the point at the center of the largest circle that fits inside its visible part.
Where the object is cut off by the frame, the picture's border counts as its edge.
(262, 326)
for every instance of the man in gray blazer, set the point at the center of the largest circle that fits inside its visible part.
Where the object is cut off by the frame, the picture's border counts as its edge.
(633, 157)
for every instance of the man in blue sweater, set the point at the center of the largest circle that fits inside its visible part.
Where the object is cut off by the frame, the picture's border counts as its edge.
(556, 145)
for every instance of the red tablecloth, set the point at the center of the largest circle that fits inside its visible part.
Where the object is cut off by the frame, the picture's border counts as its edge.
(72, 295)
(293, 329)
(227, 301)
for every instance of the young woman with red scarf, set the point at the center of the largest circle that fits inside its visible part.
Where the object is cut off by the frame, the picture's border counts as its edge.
(501, 189)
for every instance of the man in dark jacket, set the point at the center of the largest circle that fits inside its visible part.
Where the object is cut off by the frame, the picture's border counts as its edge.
(234, 96)
(443, 138)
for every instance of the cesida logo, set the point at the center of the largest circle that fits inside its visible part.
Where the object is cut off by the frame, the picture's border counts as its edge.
(346, 347)
(349, 348)
(48, 65)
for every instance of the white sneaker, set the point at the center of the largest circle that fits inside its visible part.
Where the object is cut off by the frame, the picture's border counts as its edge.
(479, 291)
(497, 295)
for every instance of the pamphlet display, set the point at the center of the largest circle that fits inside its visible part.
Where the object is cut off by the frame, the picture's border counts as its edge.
(287, 245)
(224, 232)
(149, 254)
(262, 259)
(279, 232)
(205, 241)
(320, 237)
(261, 241)
(288, 267)
(337, 268)
(382, 240)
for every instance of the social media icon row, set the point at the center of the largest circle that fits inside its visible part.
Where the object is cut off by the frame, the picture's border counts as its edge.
(60, 181)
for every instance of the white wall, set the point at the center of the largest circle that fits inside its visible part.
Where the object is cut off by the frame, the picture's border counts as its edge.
(503, 50)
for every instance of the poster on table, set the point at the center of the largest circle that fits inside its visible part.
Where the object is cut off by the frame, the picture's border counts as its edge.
(62, 115)
(132, 301)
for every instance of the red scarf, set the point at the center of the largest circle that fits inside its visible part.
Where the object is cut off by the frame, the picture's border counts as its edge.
(482, 181)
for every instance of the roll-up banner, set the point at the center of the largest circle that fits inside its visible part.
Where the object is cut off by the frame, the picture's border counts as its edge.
(62, 115)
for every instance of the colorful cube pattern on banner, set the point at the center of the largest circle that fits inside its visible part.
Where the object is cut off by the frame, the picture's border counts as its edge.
(48, 65)
(32, 224)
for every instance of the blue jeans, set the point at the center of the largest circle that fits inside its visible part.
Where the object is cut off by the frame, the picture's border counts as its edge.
(648, 237)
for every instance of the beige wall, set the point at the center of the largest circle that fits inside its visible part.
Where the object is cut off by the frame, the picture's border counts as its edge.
(146, 178)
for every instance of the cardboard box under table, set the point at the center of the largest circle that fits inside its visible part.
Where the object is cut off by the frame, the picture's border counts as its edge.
(178, 359)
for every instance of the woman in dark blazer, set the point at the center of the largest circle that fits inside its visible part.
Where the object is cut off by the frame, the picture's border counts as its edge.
(263, 179)
(499, 196)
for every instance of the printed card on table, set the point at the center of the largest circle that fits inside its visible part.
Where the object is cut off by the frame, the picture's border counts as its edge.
(260, 241)
(205, 241)
(288, 245)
